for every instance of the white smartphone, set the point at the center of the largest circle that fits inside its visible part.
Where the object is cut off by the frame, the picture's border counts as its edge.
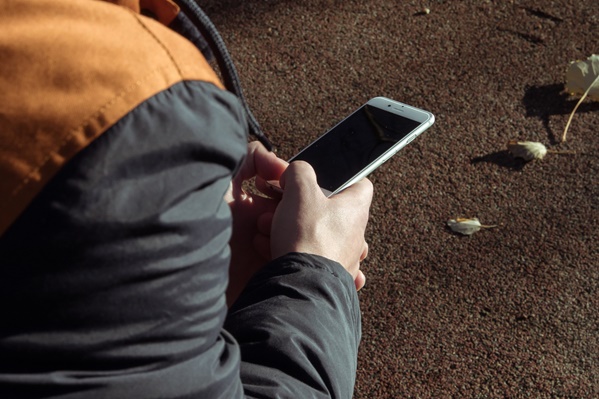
(362, 142)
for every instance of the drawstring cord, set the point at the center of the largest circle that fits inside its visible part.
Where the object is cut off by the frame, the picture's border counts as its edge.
(224, 61)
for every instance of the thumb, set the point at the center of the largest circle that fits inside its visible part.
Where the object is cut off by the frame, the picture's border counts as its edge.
(299, 178)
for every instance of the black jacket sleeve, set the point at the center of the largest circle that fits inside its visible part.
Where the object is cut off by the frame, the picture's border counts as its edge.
(112, 282)
(298, 326)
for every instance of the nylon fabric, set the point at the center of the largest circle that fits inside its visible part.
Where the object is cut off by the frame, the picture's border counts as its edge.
(69, 71)
(306, 307)
(119, 266)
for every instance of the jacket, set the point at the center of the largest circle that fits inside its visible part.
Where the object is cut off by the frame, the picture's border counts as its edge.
(117, 144)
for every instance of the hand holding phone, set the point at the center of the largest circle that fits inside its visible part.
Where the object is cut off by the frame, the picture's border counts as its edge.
(362, 142)
(309, 222)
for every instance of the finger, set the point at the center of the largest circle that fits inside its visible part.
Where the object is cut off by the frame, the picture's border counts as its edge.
(261, 163)
(364, 252)
(299, 179)
(269, 169)
(248, 168)
(360, 280)
(268, 165)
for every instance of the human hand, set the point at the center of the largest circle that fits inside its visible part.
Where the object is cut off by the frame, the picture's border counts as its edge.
(252, 213)
(307, 221)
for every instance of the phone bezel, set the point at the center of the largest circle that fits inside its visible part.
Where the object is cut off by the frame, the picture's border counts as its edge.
(424, 118)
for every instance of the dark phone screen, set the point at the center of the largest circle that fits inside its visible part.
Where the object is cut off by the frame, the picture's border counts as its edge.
(354, 144)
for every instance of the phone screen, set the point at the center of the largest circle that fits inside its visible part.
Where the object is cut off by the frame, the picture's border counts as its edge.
(355, 143)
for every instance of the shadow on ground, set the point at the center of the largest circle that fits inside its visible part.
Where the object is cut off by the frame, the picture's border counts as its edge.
(545, 101)
(501, 158)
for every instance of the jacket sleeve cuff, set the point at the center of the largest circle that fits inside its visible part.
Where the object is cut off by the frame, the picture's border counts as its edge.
(298, 327)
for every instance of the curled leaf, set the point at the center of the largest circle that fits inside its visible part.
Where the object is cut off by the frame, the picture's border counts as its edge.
(582, 77)
(466, 226)
(424, 11)
(527, 150)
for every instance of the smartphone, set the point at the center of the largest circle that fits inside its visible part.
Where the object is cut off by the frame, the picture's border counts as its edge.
(362, 142)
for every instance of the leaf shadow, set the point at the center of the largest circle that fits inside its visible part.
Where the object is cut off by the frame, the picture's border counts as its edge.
(545, 101)
(501, 158)
(534, 39)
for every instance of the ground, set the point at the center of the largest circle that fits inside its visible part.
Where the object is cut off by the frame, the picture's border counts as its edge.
(509, 312)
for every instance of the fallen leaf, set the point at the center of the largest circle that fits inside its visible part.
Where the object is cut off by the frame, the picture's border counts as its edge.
(424, 11)
(527, 150)
(466, 226)
(582, 78)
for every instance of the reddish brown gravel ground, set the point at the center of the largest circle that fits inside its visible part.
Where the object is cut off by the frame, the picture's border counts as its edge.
(511, 312)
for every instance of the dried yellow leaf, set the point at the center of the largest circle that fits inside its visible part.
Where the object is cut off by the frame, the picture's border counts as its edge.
(527, 150)
(466, 226)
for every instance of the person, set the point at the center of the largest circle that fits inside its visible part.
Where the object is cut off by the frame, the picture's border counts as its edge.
(133, 264)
